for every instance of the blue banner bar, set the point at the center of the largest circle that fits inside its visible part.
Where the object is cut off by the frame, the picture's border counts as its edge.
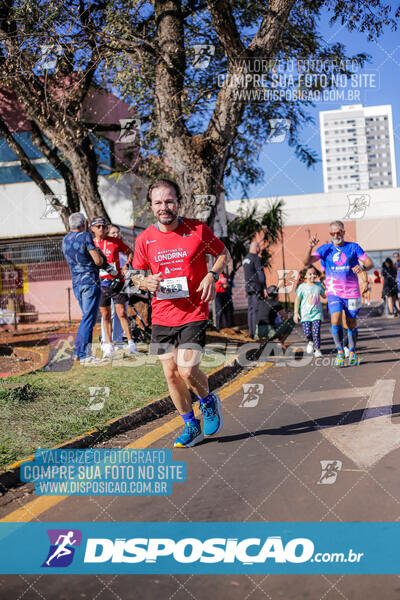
(209, 548)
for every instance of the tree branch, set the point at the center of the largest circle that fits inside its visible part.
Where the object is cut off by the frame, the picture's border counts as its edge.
(229, 108)
(225, 27)
(31, 171)
(272, 25)
(55, 160)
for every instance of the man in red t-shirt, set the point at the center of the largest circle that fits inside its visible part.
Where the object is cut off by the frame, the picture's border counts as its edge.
(111, 247)
(174, 249)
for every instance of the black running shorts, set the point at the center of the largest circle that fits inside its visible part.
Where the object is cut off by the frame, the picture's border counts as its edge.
(191, 336)
(107, 294)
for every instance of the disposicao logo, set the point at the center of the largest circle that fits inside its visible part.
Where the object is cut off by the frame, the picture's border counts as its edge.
(62, 547)
(190, 550)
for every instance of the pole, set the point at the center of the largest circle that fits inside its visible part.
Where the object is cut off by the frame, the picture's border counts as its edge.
(284, 270)
(69, 306)
(15, 311)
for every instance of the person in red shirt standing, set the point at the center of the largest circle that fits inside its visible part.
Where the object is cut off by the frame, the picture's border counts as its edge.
(222, 298)
(111, 247)
(174, 249)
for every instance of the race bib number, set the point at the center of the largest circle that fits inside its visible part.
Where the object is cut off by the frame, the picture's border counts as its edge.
(173, 287)
(354, 303)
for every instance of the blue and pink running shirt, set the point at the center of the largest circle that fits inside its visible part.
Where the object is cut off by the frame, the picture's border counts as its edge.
(339, 261)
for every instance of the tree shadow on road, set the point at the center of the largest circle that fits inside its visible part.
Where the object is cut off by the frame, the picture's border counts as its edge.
(344, 418)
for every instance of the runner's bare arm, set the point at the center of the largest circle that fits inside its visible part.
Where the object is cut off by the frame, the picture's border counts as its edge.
(221, 261)
(207, 284)
(308, 258)
(363, 280)
(366, 265)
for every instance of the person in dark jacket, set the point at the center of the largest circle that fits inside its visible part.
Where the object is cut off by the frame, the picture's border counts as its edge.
(273, 322)
(255, 284)
(389, 289)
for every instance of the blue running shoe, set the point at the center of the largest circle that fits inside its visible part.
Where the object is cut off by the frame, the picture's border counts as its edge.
(212, 415)
(190, 436)
(339, 360)
(353, 360)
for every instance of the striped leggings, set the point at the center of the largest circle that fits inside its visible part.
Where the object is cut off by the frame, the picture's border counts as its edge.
(312, 331)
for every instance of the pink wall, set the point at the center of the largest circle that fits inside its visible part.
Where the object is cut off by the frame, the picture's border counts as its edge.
(51, 297)
(295, 239)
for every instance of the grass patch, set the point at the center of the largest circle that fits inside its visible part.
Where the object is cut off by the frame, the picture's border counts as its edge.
(40, 410)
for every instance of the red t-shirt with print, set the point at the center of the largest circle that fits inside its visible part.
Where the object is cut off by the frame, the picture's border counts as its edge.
(111, 247)
(178, 254)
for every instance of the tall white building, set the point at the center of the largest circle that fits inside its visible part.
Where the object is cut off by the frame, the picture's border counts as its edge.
(357, 148)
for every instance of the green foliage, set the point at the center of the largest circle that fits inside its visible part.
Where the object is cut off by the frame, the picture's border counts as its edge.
(60, 410)
(18, 394)
(117, 43)
(243, 228)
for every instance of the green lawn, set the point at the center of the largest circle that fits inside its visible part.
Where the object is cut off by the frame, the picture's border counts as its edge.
(56, 406)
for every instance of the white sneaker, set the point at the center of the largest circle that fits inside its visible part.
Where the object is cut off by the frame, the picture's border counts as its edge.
(310, 348)
(131, 347)
(317, 353)
(108, 350)
(346, 351)
(91, 361)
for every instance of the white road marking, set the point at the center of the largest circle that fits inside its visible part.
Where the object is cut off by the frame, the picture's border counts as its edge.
(369, 440)
(339, 394)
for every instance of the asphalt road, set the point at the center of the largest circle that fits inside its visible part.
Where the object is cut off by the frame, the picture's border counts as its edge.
(265, 465)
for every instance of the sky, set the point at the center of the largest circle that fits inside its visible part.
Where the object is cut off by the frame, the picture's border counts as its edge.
(284, 174)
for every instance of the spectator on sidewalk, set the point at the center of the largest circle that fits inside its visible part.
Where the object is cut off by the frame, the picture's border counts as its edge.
(222, 300)
(117, 332)
(389, 288)
(255, 284)
(273, 322)
(112, 247)
(84, 261)
(396, 263)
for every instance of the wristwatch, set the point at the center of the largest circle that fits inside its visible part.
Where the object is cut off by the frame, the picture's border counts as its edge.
(215, 275)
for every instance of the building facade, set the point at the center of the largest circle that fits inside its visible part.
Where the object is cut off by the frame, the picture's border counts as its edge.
(371, 218)
(357, 148)
(34, 275)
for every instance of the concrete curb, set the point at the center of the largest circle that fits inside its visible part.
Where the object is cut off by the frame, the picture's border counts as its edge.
(154, 410)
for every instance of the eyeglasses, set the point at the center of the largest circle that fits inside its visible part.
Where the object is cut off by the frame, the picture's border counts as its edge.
(99, 226)
(336, 233)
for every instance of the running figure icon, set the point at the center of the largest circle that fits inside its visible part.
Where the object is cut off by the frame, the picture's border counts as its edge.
(62, 550)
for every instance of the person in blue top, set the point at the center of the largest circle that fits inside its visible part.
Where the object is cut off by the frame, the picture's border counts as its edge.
(342, 261)
(84, 260)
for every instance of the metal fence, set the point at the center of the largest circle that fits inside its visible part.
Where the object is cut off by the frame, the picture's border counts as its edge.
(41, 259)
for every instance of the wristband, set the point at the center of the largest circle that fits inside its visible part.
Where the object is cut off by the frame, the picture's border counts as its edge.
(215, 275)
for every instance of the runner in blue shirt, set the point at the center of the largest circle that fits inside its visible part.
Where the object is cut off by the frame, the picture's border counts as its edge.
(342, 261)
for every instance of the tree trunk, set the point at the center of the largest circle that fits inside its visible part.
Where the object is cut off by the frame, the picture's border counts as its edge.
(54, 159)
(195, 160)
(84, 168)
